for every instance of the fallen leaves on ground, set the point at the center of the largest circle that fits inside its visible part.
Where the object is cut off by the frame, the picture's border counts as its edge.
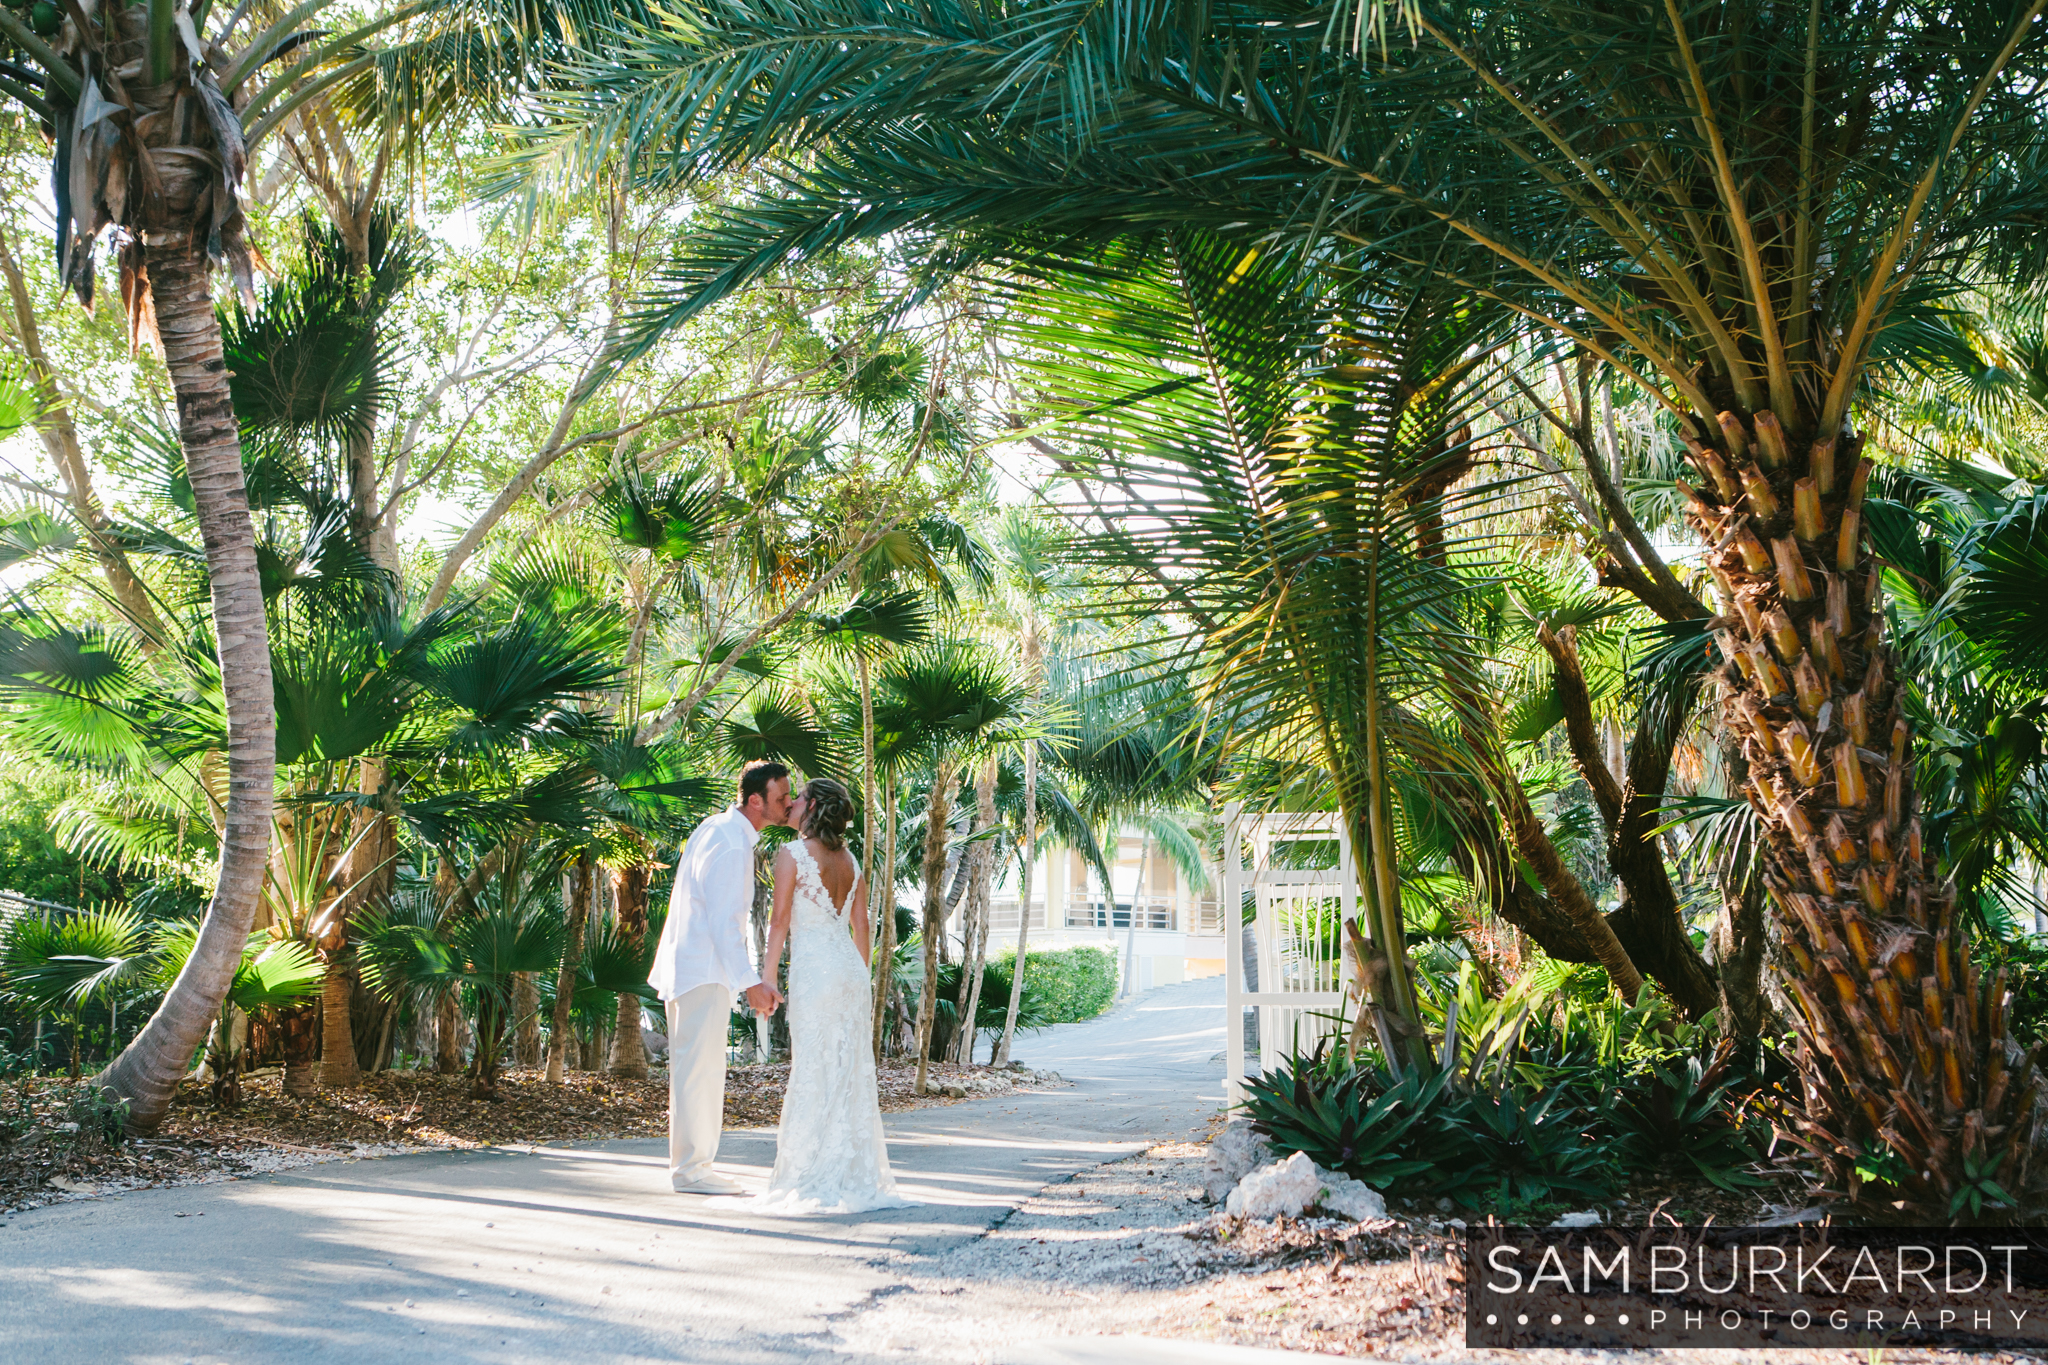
(1327, 1285)
(432, 1110)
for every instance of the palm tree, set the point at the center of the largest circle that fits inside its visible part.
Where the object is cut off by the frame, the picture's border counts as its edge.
(1027, 557)
(951, 701)
(426, 948)
(1728, 211)
(1272, 462)
(160, 155)
(866, 629)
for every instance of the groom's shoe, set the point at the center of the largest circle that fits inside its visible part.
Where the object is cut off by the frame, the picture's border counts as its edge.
(709, 1183)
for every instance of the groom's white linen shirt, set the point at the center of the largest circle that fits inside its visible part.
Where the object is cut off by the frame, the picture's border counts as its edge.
(704, 942)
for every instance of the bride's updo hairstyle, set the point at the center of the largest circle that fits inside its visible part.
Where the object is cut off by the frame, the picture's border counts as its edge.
(829, 813)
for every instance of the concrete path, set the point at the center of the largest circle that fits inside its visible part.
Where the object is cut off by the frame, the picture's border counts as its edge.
(581, 1253)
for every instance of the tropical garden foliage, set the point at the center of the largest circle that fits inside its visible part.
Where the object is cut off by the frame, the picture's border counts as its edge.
(1594, 450)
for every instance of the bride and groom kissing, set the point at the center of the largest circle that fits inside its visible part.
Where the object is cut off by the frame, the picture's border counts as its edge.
(830, 1156)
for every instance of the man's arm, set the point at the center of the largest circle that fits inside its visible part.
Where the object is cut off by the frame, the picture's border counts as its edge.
(727, 888)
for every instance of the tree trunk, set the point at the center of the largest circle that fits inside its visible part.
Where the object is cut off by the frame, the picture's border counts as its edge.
(299, 1032)
(975, 950)
(572, 957)
(1130, 972)
(148, 1070)
(1648, 925)
(1904, 1050)
(934, 912)
(338, 1067)
(885, 941)
(629, 895)
(1031, 667)
(449, 1027)
(526, 1050)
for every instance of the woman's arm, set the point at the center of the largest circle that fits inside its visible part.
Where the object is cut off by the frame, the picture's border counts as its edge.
(862, 930)
(778, 920)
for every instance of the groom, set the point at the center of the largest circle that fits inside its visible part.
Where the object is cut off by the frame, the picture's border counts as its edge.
(702, 961)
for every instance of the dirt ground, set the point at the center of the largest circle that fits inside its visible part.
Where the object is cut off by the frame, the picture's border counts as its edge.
(1129, 1249)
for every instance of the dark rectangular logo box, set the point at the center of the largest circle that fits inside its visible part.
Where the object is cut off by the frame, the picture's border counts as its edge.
(1745, 1288)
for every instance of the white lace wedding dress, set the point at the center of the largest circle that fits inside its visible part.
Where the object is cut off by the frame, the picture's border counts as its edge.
(830, 1156)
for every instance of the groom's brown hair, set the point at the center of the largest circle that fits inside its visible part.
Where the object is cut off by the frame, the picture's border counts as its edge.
(755, 777)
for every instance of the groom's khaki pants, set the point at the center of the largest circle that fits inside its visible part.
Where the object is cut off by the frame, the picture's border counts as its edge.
(696, 1080)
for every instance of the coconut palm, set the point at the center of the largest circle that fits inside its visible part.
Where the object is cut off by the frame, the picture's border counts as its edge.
(153, 118)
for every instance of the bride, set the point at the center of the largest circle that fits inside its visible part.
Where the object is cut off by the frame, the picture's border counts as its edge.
(829, 1155)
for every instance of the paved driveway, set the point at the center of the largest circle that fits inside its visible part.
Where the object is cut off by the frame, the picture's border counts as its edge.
(579, 1253)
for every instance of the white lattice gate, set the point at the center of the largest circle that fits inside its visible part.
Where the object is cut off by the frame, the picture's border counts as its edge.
(1296, 937)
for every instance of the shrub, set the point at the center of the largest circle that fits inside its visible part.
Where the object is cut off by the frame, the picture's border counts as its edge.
(1072, 984)
(1684, 1115)
(1553, 1099)
(1357, 1123)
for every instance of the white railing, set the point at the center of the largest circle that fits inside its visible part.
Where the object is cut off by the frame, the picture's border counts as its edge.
(1152, 912)
(1002, 916)
(1297, 938)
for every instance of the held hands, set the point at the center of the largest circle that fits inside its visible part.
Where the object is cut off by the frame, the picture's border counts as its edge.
(762, 998)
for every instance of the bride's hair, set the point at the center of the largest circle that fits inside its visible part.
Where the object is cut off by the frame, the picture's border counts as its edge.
(829, 813)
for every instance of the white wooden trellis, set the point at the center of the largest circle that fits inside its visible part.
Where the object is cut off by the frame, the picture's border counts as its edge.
(1297, 923)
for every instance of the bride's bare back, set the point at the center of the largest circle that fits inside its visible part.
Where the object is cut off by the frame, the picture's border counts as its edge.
(836, 869)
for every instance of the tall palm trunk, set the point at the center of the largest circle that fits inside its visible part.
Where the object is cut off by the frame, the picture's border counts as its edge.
(1130, 972)
(572, 955)
(975, 949)
(936, 816)
(885, 943)
(148, 1070)
(1902, 1046)
(1033, 658)
(629, 895)
(867, 806)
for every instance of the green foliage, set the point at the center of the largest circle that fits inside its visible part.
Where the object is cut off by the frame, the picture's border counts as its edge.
(1070, 984)
(1359, 1124)
(33, 861)
(1683, 1115)
(2024, 960)
(1553, 1098)
(991, 1007)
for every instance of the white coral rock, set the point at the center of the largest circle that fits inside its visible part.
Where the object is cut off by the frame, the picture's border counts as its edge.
(1283, 1189)
(1348, 1198)
(1235, 1152)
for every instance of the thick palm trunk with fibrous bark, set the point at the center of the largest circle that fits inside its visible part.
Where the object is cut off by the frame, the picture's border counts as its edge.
(629, 895)
(934, 912)
(148, 1070)
(1905, 1051)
